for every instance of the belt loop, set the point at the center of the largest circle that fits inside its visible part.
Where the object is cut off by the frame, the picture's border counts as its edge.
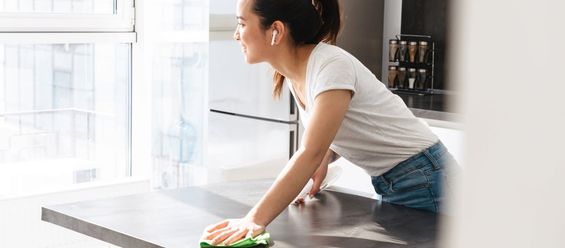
(385, 180)
(432, 158)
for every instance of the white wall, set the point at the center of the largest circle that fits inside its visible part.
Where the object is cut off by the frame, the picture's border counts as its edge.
(508, 60)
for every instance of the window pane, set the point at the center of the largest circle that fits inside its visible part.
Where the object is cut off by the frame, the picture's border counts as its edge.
(179, 106)
(183, 15)
(59, 6)
(64, 115)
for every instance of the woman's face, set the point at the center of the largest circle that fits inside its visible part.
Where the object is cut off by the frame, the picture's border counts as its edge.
(252, 38)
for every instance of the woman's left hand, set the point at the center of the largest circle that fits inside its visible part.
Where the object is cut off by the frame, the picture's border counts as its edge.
(232, 230)
(318, 177)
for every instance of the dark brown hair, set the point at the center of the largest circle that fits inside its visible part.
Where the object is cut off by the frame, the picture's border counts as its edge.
(309, 22)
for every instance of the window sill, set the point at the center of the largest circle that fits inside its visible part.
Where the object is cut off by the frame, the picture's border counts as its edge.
(82, 187)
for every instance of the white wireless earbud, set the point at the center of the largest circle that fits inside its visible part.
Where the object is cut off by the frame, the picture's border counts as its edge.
(275, 32)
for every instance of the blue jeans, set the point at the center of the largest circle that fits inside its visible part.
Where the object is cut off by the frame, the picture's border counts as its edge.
(420, 181)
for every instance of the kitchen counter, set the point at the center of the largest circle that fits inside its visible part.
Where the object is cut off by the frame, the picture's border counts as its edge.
(434, 106)
(176, 218)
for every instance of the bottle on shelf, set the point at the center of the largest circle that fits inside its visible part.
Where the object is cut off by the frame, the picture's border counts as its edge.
(412, 50)
(392, 73)
(411, 77)
(401, 78)
(402, 51)
(392, 50)
(423, 50)
(422, 79)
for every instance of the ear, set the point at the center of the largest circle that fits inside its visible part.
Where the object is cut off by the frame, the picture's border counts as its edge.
(278, 32)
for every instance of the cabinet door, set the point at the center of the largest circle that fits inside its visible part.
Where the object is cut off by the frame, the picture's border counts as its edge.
(244, 148)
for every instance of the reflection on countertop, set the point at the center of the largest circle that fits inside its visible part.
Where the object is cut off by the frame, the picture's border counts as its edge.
(431, 106)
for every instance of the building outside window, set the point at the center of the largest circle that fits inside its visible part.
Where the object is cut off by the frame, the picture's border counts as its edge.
(65, 94)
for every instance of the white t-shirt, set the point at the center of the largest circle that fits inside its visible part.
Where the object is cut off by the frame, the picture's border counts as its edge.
(378, 131)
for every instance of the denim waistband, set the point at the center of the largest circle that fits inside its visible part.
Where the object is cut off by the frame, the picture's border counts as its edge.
(432, 153)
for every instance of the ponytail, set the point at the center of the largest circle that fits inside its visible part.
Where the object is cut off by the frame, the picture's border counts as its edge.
(331, 20)
(278, 82)
(309, 22)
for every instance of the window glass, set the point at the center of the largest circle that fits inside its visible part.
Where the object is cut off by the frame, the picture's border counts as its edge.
(179, 105)
(64, 115)
(223, 7)
(183, 15)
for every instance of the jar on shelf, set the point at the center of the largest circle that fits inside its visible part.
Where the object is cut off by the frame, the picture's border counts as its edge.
(402, 75)
(412, 50)
(411, 77)
(392, 50)
(422, 79)
(392, 74)
(423, 51)
(403, 51)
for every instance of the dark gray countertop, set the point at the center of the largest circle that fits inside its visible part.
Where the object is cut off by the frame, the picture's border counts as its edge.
(431, 106)
(176, 218)
(437, 115)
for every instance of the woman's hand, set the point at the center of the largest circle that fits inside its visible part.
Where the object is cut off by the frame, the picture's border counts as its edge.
(320, 174)
(318, 177)
(232, 230)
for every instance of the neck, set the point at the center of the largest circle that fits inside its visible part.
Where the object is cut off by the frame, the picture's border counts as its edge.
(291, 62)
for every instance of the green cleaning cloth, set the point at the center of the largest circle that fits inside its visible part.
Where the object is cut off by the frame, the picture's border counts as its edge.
(261, 239)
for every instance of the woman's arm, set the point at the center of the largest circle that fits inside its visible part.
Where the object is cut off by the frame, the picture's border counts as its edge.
(321, 172)
(328, 113)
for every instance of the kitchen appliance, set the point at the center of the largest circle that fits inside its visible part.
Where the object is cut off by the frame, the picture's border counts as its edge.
(250, 134)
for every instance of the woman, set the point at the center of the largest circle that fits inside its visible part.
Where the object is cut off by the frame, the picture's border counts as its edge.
(345, 109)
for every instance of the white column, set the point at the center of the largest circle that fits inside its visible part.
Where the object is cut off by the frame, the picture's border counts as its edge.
(391, 27)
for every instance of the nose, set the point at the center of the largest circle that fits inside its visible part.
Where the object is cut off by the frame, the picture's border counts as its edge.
(236, 33)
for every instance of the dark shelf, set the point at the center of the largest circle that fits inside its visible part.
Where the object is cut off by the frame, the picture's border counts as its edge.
(413, 64)
(412, 91)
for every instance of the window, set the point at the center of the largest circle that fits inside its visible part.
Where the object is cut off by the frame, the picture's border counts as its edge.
(61, 125)
(179, 92)
(179, 112)
(81, 100)
(65, 93)
(183, 15)
(66, 15)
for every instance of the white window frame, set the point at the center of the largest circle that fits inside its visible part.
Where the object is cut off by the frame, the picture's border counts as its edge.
(121, 21)
(66, 38)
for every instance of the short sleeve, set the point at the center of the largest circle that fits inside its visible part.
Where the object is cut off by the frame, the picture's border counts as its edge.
(337, 73)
